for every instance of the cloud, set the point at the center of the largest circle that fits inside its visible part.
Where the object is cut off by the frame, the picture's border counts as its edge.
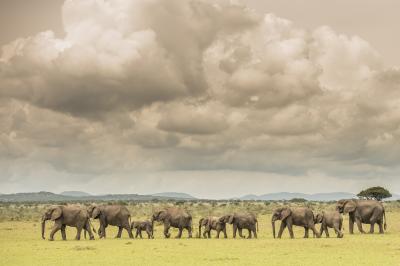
(154, 88)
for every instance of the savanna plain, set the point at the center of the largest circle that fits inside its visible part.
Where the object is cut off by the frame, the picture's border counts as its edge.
(21, 243)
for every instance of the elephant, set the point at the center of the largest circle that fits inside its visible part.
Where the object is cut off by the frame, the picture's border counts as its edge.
(212, 223)
(242, 221)
(173, 217)
(143, 226)
(69, 215)
(330, 220)
(115, 215)
(299, 216)
(363, 211)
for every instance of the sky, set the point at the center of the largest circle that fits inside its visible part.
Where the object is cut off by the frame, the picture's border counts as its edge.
(213, 98)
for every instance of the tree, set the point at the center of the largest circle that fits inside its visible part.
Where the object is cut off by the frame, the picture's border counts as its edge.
(377, 193)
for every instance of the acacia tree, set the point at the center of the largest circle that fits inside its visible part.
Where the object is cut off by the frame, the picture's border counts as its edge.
(377, 193)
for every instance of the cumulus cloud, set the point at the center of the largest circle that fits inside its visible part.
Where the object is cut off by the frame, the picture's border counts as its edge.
(140, 91)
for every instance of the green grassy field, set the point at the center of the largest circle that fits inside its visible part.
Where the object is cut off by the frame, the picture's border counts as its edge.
(21, 244)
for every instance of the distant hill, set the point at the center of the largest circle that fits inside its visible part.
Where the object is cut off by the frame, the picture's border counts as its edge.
(75, 194)
(175, 195)
(312, 197)
(52, 197)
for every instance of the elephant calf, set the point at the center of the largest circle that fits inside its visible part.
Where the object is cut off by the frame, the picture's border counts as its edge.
(212, 223)
(143, 226)
(303, 217)
(330, 220)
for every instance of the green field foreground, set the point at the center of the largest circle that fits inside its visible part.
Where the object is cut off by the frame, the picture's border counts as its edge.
(21, 244)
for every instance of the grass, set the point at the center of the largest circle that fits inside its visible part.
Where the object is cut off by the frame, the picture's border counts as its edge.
(21, 244)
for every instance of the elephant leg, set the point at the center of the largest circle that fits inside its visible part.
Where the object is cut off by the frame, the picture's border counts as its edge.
(209, 233)
(189, 228)
(254, 231)
(180, 230)
(249, 236)
(137, 233)
(119, 232)
(104, 231)
(321, 230)
(225, 235)
(306, 229)
(148, 231)
(218, 232)
(315, 232)
(372, 228)
(64, 236)
(57, 226)
(78, 233)
(240, 232)
(89, 230)
(234, 230)
(359, 225)
(283, 225)
(290, 228)
(380, 224)
(351, 225)
(166, 229)
(128, 228)
(326, 231)
(337, 231)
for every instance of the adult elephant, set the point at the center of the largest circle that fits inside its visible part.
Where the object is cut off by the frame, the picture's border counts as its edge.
(363, 212)
(63, 216)
(303, 217)
(212, 223)
(173, 217)
(242, 221)
(115, 215)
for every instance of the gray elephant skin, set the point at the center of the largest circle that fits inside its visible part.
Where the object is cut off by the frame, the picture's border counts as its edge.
(363, 212)
(303, 217)
(74, 216)
(174, 217)
(240, 221)
(327, 220)
(212, 223)
(140, 226)
(115, 215)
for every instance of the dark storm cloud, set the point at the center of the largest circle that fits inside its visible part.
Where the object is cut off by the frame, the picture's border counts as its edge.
(142, 92)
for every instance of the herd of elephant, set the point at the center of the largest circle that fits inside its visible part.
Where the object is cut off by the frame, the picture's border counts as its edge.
(360, 212)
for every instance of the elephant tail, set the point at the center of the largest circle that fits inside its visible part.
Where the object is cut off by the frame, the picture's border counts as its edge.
(384, 217)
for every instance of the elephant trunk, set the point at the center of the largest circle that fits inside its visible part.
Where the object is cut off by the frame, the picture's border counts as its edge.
(273, 228)
(152, 225)
(43, 225)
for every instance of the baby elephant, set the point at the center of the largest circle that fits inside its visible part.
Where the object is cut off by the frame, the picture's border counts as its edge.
(143, 226)
(332, 220)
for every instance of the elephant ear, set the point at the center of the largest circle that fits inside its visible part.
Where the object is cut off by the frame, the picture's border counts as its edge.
(349, 206)
(221, 219)
(56, 213)
(285, 213)
(161, 215)
(96, 212)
